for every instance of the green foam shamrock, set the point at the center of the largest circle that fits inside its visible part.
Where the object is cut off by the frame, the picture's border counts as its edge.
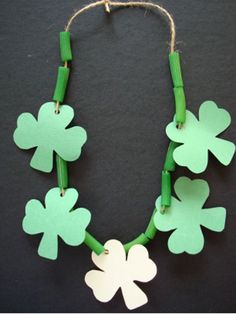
(57, 219)
(186, 216)
(49, 134)
(200, 136)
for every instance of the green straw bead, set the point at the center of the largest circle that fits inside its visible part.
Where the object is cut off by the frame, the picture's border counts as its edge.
(151, 230)
(169, 164)
(93, 244)
(62, 172)
(141, 239)
(61, 85)
(175, 68)
(165, 189)
(65, 46)
(180, 105)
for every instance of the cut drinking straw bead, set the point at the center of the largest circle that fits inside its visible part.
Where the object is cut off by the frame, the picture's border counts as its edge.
(169, 164)
(180, 104)
(62, 172)
(165, 189)
(175, 68)
(180, 101)
(65, 46)
(141, 239)
(93, 244)
(61, 85)
(151, 230)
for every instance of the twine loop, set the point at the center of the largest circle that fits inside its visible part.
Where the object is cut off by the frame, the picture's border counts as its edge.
(139, 4)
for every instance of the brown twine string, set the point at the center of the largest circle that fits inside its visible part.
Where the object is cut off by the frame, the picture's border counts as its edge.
(108, 4)
(148, 5)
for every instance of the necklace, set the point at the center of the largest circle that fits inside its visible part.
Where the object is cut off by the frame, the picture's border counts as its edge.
(191, 139)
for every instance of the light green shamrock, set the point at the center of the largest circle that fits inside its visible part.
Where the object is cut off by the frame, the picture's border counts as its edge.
(200, 136)
(186, 216)
(49, 134)
(57, 219)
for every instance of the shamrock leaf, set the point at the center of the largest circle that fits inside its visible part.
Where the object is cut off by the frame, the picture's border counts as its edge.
(200, 136)
(49, 134)
(186, 216)
(117, 272)
(57, 219)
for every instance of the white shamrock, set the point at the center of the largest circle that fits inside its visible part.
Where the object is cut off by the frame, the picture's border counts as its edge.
(117, 272)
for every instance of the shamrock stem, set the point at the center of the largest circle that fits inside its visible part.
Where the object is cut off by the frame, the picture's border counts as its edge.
(213, 218)
(48, 246)
(134, 297)
(42, 159)
(223, 150)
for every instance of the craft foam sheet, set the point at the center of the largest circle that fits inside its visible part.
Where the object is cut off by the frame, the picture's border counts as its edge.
(186, 216)
(48, 134)
(118, 272)
(198, 137)
(58, 218)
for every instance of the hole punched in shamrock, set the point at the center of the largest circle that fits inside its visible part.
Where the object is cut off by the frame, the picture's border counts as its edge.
(57, 218)
(49, 134)
(186, 215)
(198, 137)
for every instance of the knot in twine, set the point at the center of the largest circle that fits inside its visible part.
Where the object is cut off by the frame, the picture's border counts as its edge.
(107, 6)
